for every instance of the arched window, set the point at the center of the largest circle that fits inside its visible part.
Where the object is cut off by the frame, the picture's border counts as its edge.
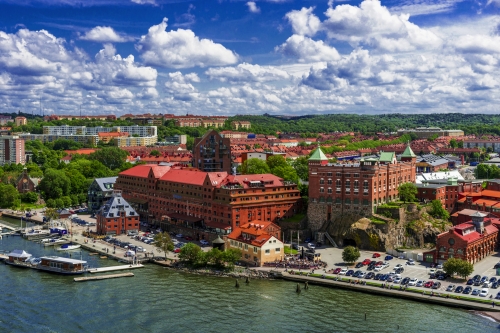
(442, 249)
(460, 251)
(451, 251)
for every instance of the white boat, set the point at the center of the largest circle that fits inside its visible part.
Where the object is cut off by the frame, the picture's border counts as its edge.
(52, 264)
(68, 247)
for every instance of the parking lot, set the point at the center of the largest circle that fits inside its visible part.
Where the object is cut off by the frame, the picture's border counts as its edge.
(421, 270)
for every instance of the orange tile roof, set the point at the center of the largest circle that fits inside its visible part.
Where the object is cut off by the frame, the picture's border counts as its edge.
(186, 176)
(112, 134)
(490, 193)
(143, 171)
(255, 229)
(83, 151)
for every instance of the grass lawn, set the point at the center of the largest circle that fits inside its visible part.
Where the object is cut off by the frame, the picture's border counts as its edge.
(376, 220)
(296, 218)
(290, 251)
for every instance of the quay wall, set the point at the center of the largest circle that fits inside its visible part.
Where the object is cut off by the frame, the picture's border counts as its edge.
(463, 304)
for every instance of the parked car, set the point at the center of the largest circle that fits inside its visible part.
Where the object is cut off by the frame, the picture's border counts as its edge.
(359, 265)
(475, 292)
(459, 289)
(493, 279)
(383, 277)
(450, 287)
(141, 249)
(389, 257)
(179, 236)
(436, 285)
(379, 268)
(376, 255)
(495, 285)
(476, 277)
(413, 282)
(366, 262)
(439, 266)
(188, 238)
(343, 271)
(337, 270)
(311, 246)
(410, 262)
(349, 272)
(470, 282)
(419, 283)
(498, 295)
(397, 280)
(177, 250)
(204, 242)
(429, 284)
(484, 292)
(399, 270)
(467, 290)
(362, 275)
(405, 281)
(377, 276)
(356, 274)
(484, 279)
(497, 265)
(370, 275)
(398, 266)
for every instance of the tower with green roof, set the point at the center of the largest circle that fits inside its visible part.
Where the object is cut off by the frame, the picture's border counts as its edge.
(408, 155)
(318, 157)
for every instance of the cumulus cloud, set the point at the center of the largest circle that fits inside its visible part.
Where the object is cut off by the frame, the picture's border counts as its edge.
(304, 22)
(104, 35)
(304, 49)
(477, 44)
(247, 73)
(144, 2)
(424, 7)
(181, 87)
(373, 25)
(252, 7)
(181, 49)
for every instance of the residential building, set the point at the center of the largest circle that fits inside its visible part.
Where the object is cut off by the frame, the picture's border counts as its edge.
(431, 163)
(355, 187)
(427, 132)
(116, 217)
(492, 143)
(471, 241)
(174, 140)
(83, 139)
(241, 124)
(4, 120)
(106, 137)
(207, 200)
(234, 135)
(11, 150)
(21, 121)
(258, 241)
(99, 192)
(135, 141)
(84, 130)
(212, 123)
(71, 117)
(477, 198)
(26, 184)
(212, 153)
(64, 130)
(188, 122)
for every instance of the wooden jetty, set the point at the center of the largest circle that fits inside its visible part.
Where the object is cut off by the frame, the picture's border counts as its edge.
(103, 277)
(114, 268)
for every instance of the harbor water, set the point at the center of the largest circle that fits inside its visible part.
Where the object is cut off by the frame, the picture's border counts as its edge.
(162, 300)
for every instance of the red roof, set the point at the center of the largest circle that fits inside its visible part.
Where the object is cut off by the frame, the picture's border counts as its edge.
(255, 229)
(185, 176)
(143, 171)
(117, 134)
(83, 151)
(490, 193)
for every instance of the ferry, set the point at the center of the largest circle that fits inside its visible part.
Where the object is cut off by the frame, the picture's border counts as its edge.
(54, 264)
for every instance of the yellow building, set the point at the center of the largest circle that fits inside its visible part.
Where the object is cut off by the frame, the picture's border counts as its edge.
(241, 124)
(135, 141)
(21, 121)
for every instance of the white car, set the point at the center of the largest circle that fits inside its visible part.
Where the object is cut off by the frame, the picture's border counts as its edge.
(140, 249)
(484, 292)
(410, 262)
(413, 282)
(311, 246)
(432, 271)
(179, 235)
(343, 271)
(362, 275)
(420, 283)
(398, 266)
(451, 287)
(397, 280)
(379, 268)
(439, 266)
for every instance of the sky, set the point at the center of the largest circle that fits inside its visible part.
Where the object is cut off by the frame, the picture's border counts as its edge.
(227, 57)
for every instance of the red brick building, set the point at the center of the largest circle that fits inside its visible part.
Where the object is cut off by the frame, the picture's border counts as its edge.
(484, 200)
(355, 187)
(117, 217)
(213, 200)
(471, 241)
(212, 153)
(446, 190)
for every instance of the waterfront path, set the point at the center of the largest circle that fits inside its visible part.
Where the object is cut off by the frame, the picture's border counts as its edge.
(115, 268)
(464, 304)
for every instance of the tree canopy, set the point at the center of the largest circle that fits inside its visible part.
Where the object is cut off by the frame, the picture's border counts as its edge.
(254, 166)
(459, 267)
(164, 243)
(350, 254)
(111, 157)
(438, 211)
(55, 184)
(407, 192)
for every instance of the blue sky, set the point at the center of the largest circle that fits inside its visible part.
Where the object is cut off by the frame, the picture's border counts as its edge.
(249, 57)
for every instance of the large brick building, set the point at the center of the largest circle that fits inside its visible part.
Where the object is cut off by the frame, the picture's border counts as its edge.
(212, 153)
(204, 200)
(355, 187)
(471, 241)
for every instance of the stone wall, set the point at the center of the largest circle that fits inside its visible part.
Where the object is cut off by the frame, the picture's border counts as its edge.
(317, 213)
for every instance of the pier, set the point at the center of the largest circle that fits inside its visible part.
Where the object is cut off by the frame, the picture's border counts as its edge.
(114, 268)
(102, 277)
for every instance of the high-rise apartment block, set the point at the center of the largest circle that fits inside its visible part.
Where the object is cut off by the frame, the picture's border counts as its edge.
(11, 150)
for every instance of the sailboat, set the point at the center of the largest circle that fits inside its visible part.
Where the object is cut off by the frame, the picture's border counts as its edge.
(70, 246)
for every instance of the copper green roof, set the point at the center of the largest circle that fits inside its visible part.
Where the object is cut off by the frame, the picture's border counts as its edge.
(408, 152)
(386, 157)
(318, 155)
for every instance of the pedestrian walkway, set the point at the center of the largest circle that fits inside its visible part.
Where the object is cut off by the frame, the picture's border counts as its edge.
(115, 268)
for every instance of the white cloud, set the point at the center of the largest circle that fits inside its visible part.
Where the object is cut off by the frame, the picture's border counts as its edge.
(304, 22)
(304, 49)
(252, 7)
(493, 2)
(104, 35)
(181, 49)
(144, 2)
(180, 86)
(477, 44)
(247, 73)
(424, 7)
(373, 25)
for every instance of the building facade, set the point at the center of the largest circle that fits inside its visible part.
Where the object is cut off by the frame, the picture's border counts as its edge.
(212, 200)
(117, 217)
(212, 153)
(99, 192)
(258, 241)
(337, 189)
(12, 150)
(20, 121)
(27, 184)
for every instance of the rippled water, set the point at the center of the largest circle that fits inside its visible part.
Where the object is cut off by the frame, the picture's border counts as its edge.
(162, 300)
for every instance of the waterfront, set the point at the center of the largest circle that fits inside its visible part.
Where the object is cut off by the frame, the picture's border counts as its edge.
(162, 300)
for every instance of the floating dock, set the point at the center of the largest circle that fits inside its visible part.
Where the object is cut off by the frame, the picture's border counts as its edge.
(114, 268)
(103, 277)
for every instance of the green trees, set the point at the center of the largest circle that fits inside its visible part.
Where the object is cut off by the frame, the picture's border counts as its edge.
(9, 197)
(190, 253)
(111, 157)
(164, 243)
(407, 192)
(254, 166)
(193, 255)
(438, 211)
(54, 184)
(63, 144)
(459, 267)
(301, 166)
(29, 197)
(350, 254)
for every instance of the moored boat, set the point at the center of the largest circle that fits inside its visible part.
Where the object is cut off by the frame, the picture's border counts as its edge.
(52, 264)
(68, 247)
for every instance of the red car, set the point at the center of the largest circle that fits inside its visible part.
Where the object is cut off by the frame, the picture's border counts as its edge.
(376, 255)
(188, 238)
(177, 250)
(379, 263)
(337, 270)
(428, 284)
(366, 262)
